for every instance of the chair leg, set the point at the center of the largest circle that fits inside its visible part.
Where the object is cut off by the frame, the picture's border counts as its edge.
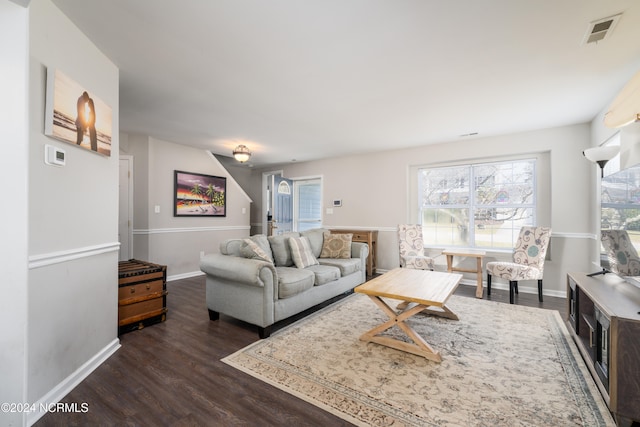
(488, 284)
(540, 290)
(512, 286)
(515, 287)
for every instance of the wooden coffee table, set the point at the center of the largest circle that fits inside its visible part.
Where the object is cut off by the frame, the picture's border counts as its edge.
(419, 290)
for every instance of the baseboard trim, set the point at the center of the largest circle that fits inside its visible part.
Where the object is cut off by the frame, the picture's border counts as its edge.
(63, 388)
(184, 276)
(504, 286)
(523, 289)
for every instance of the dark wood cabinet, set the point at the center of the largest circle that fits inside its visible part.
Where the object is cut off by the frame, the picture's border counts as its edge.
(604, 318)
(142, 294)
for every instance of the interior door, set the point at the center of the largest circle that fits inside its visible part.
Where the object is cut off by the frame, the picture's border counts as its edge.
(282, 204)
(125, 220)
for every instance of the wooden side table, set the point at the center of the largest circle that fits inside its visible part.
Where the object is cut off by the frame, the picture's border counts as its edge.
(370, 237)
(470, 253)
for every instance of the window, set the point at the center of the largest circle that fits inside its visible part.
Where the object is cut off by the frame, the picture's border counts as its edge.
(619, 190)
(480, 205)
(307, 204)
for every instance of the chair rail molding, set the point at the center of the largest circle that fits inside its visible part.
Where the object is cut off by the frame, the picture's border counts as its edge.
(565, 235)
(150, 231)
(42, 260)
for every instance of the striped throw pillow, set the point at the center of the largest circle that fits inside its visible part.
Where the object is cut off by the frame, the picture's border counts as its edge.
(301, 252)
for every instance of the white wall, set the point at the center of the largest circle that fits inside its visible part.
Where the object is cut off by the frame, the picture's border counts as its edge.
(178, 241)
(73, 228)
(14, 167)
(374, 192)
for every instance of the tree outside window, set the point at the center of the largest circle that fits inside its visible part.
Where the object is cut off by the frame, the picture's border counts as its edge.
(480, 205)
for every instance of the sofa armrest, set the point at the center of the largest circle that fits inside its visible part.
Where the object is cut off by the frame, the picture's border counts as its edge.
(236, 269)
(359, 250)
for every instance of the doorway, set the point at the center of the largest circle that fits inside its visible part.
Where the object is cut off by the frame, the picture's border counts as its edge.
(125, 208)
(291, 204)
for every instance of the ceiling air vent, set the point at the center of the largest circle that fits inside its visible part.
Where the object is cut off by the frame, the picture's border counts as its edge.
(600, 29)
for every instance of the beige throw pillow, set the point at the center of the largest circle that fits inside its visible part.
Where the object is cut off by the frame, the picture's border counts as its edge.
(252, 250)
(301, 252)
(336, 245)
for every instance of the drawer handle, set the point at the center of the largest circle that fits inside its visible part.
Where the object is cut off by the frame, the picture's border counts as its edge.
(148, 286)
(133, 290)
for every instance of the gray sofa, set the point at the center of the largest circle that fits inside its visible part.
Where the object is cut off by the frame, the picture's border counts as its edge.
(243, 283)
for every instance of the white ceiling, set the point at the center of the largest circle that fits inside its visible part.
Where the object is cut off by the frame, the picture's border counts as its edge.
(309, 79)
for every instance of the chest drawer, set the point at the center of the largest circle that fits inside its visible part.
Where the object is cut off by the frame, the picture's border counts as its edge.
(128, 294)
(139, 311)
(360, 237)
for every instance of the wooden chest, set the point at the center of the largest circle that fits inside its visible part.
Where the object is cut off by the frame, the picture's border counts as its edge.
(142, 294)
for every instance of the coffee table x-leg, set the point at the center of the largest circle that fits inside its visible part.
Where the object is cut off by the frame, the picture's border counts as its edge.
(419, 346)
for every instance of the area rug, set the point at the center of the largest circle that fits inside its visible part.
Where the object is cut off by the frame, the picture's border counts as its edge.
(502, 365)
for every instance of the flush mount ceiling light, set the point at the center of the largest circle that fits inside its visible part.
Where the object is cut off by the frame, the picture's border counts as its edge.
(601, 155)
(241, 153)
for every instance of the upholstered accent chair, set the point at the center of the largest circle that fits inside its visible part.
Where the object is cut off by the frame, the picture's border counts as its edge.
(412, 248)
(528, 260)
(623, 257)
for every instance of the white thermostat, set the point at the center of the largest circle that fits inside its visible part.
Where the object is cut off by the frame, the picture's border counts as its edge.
(54, 155)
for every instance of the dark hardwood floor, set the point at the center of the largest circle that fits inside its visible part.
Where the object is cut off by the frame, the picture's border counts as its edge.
(170, 374)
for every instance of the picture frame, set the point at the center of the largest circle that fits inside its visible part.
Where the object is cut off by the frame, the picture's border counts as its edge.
(197, 194)
(75, 115)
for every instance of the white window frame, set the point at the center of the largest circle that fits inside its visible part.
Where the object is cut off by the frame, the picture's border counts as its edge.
(415, 199)
(297, 183)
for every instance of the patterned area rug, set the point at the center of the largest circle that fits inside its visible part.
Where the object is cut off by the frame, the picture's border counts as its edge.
(502, 365)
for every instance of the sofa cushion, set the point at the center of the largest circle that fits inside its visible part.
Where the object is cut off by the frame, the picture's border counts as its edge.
(301, 252)
(252, 250)
(280, 249)
(336, 245)
(346, 266)
(316, 239)
(324, 274)
(292, 281)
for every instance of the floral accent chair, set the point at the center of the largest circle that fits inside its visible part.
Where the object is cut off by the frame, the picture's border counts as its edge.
(412, 248)
(528, 260)
(623, 258)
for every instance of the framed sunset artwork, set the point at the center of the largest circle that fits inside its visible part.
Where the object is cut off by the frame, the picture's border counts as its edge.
(197, 194)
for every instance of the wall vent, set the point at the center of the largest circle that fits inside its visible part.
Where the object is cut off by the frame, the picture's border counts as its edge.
(601, 29)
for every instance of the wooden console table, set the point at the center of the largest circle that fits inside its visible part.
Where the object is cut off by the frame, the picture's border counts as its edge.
(470, 253)
(370, 237)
